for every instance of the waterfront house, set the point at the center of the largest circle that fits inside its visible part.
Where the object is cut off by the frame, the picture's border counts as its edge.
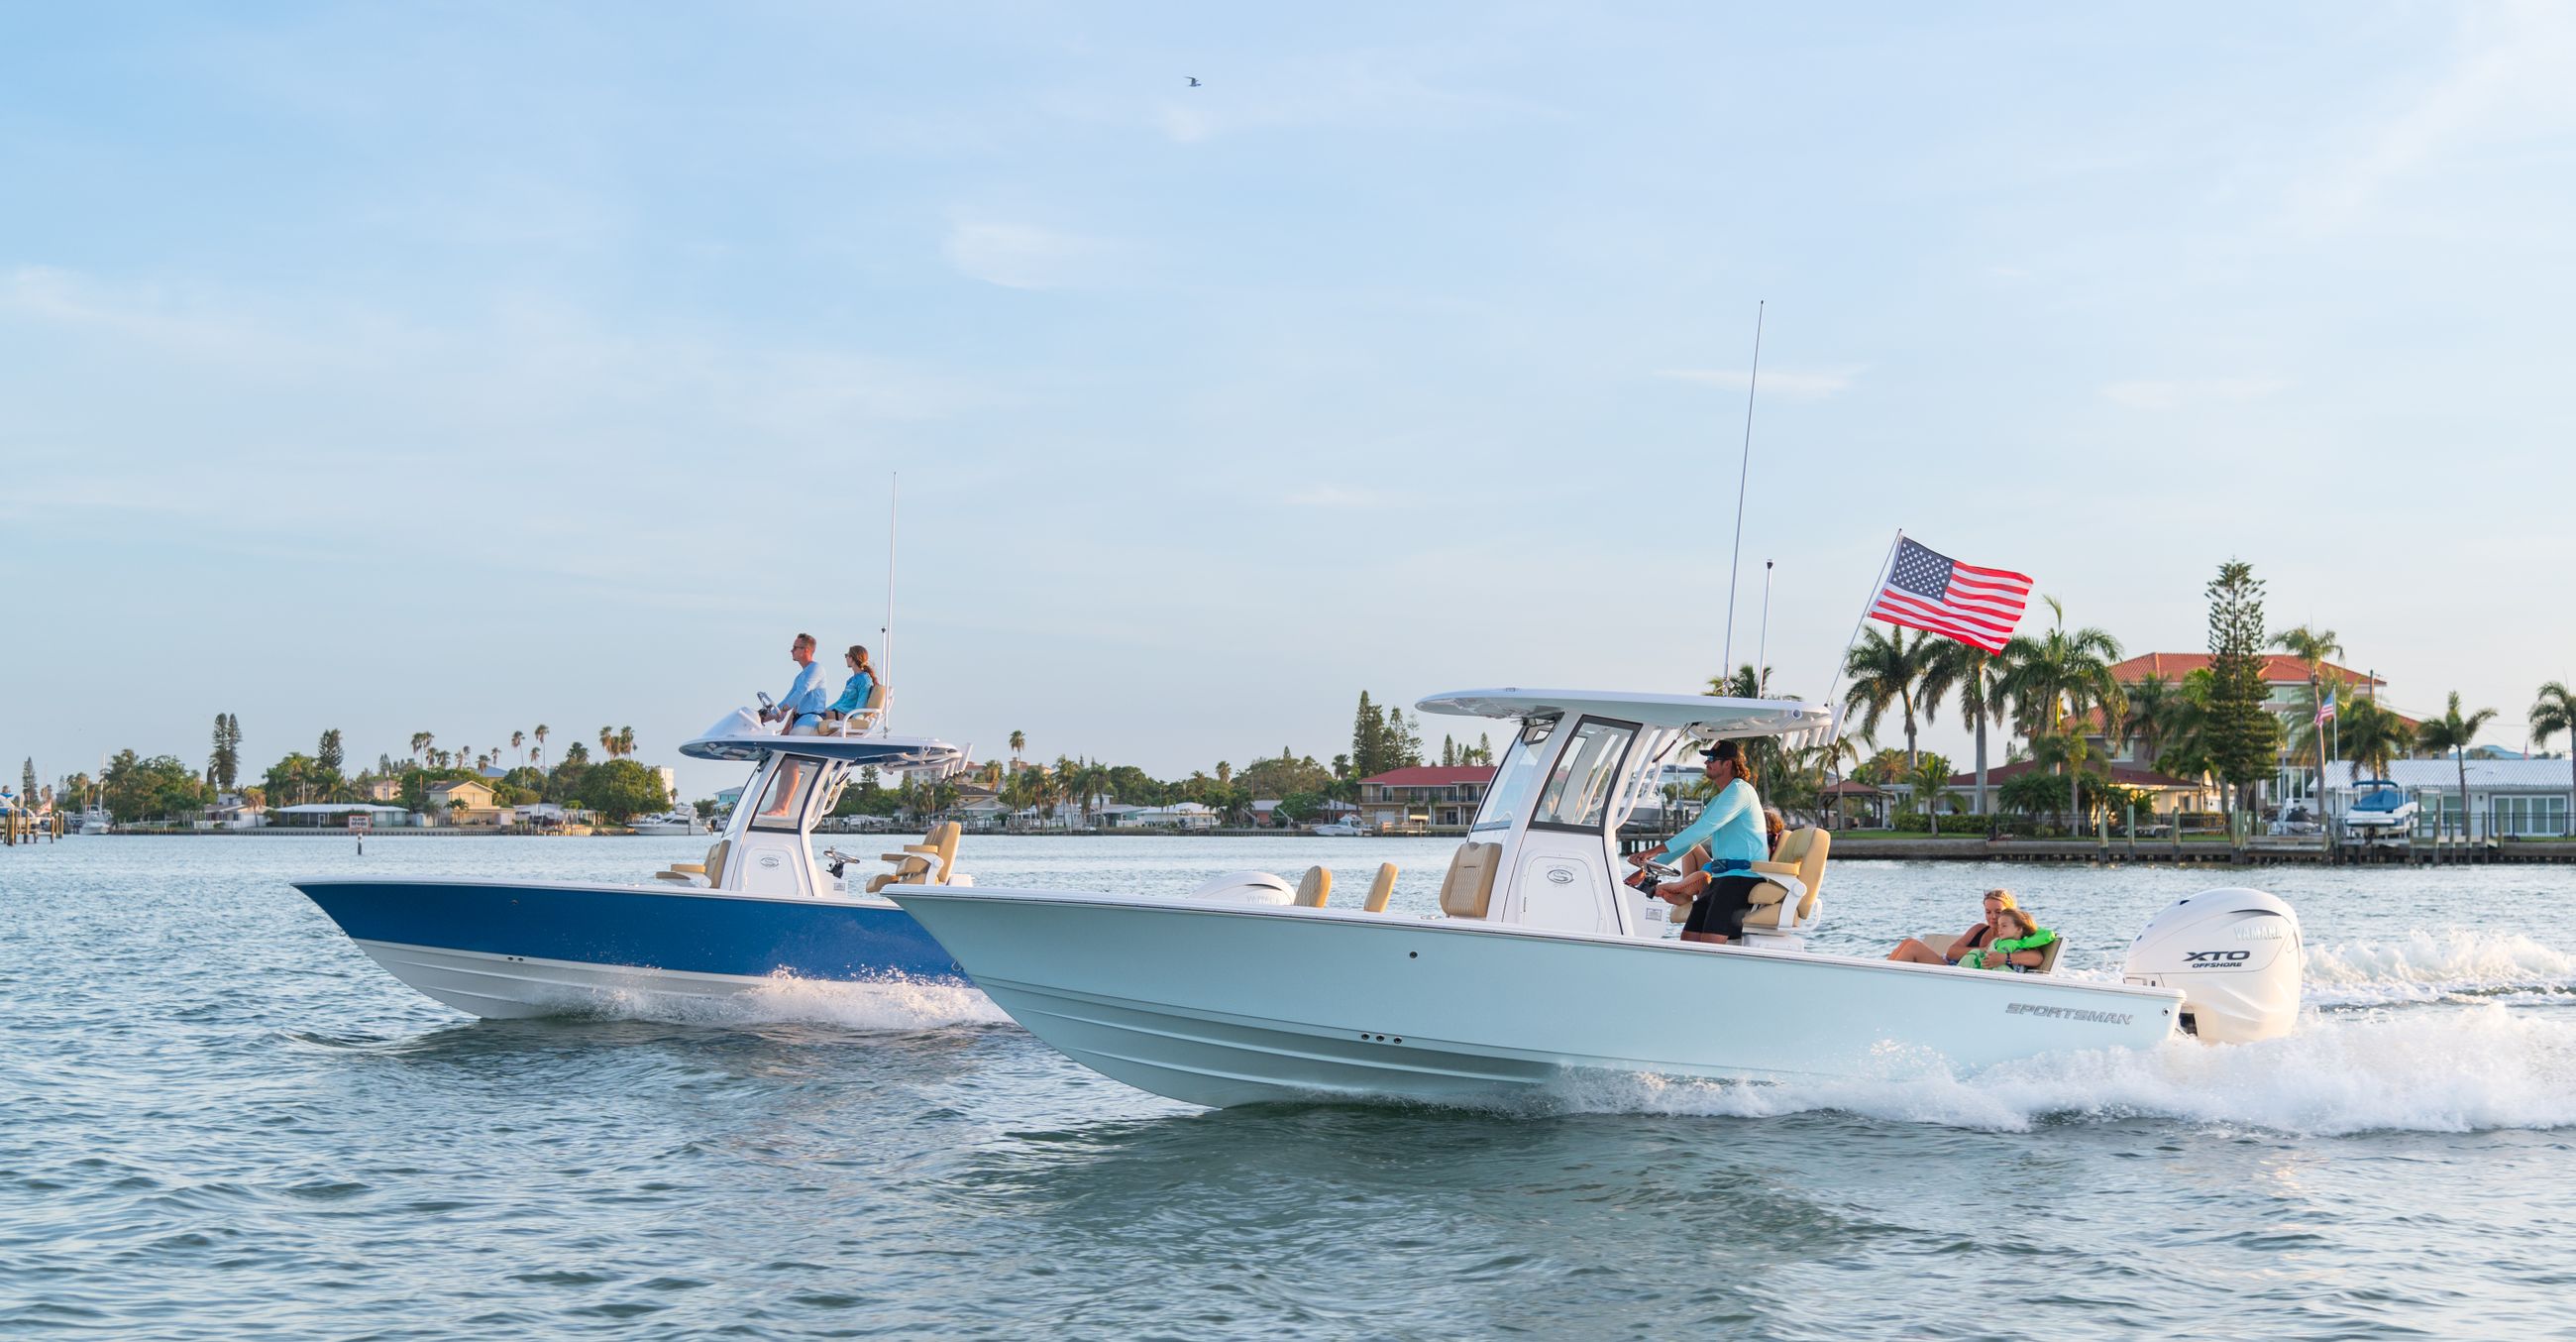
(2166, 794)
(465, 801)
(1424, 795)
(335, 815)
(2508, 798)
(384, 789)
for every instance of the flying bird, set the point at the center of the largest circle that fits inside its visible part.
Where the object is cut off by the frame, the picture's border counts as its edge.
(1194, 81)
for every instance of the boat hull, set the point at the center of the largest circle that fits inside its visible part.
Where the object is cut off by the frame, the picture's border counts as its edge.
(513, 949)
(1227, 1006)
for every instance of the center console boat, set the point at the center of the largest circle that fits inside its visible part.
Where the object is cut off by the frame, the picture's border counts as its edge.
(1542, 962)
(760, 906)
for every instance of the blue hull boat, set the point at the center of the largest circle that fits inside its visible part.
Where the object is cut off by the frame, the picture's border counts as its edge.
(758, 909)
(505, 949)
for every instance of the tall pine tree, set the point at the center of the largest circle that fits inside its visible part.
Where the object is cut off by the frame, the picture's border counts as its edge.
(327, 753)
(2242, 736)
(1368, 741)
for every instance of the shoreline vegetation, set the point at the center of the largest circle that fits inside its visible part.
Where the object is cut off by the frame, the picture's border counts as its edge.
(2075, 737)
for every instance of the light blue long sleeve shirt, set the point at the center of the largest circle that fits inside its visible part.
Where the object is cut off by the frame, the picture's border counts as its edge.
(854, 695)
(804, 697)
(1731, 826)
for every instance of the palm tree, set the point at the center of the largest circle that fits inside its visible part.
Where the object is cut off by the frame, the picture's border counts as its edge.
(1931, 775)
(608, 742)
(1019, 742)
(420, 744)
(2313, 646)
(2372, 735)
(517, 739)
(1884, 670)
(2454, 733)
(540, 734)
(625, 741)
(2554, 712)
(2157, 715)
(1971, 671)
(2057, 680)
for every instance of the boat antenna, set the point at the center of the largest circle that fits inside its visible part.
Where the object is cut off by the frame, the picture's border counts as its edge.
(1726, 666)
(894, 514)
(1762, 649)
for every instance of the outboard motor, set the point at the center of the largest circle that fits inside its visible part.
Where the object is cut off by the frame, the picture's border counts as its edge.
(2235, 953)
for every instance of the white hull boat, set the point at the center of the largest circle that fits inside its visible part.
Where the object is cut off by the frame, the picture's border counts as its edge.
(674, 822)
(1542, 966)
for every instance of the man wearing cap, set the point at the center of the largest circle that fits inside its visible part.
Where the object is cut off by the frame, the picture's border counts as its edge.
(1721, 893)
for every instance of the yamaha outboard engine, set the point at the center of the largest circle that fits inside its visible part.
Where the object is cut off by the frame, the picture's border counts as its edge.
(2235, 954)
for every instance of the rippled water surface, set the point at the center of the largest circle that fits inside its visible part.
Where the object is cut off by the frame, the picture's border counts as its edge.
(218, 1118)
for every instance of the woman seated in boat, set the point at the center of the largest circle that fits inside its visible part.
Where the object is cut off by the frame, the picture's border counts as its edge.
(855, 691)
(1720, 893)
(1975, 938)
(2018, 945)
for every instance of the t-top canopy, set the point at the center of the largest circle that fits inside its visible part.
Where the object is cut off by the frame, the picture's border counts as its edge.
(1704, 716)
(885, 752)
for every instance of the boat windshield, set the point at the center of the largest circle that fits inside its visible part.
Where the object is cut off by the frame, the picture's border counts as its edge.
(2379, 799)
(783, 805)
(1516, 781)
(1579, 789)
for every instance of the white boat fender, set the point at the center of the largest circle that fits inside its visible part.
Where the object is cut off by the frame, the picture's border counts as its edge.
(2236, 955)
(1246, 887)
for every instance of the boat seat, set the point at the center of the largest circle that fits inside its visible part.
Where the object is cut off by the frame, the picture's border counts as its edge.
(1315, 888)
(869, 714)
(1383, 888)
(1779, 905)
(709, 873)
(933, 861)
(1468, 890)
(2048, 957)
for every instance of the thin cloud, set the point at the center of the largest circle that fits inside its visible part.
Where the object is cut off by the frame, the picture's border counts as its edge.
(2188, 393)
(1798, 384)
(1020, 256)
(1338, 496)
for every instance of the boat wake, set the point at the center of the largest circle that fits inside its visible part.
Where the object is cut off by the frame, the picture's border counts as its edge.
(2479, 1068)
(892, 1004)
(2454, 965)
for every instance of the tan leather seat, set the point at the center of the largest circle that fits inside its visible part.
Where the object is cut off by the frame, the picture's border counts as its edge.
(1383, 888)
(1801, 857)
(1315, 888)
(690, 873)
(1468, 890)
(869, 713)
(2048, 956)
(937, 849)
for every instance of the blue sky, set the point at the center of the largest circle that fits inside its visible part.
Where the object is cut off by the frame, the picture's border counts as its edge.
(459, 367)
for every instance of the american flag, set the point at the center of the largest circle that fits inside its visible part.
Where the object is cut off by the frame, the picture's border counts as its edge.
(1930, 591)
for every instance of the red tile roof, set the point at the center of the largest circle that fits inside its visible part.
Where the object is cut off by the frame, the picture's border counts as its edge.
(1434, 775)
(2278, 668)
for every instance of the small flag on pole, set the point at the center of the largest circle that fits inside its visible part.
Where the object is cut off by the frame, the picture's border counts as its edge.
(2326, 709)
(1930, 591)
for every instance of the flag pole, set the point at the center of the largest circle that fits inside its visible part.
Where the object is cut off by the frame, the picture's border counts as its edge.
(1877, 585)
(1743, 472)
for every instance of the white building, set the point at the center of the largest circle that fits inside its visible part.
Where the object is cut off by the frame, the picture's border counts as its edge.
(2507, 798)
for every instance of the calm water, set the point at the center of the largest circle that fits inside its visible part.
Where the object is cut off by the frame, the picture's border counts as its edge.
(222, 1120)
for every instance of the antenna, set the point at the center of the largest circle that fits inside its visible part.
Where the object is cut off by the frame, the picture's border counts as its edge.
(1726, 666)
(894, 514)
(1762, 650)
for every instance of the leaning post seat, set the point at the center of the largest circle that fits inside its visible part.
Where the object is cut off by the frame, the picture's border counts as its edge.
(1801, 859)
(1315, 889)
(857, 724)
(935, 858)
(1468, 890)
(709, 872)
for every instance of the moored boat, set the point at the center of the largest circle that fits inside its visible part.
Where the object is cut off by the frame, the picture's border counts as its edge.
(1543, 964)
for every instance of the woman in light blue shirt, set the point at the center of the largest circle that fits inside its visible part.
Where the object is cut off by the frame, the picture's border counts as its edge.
(1721, 893)
(854, 692)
